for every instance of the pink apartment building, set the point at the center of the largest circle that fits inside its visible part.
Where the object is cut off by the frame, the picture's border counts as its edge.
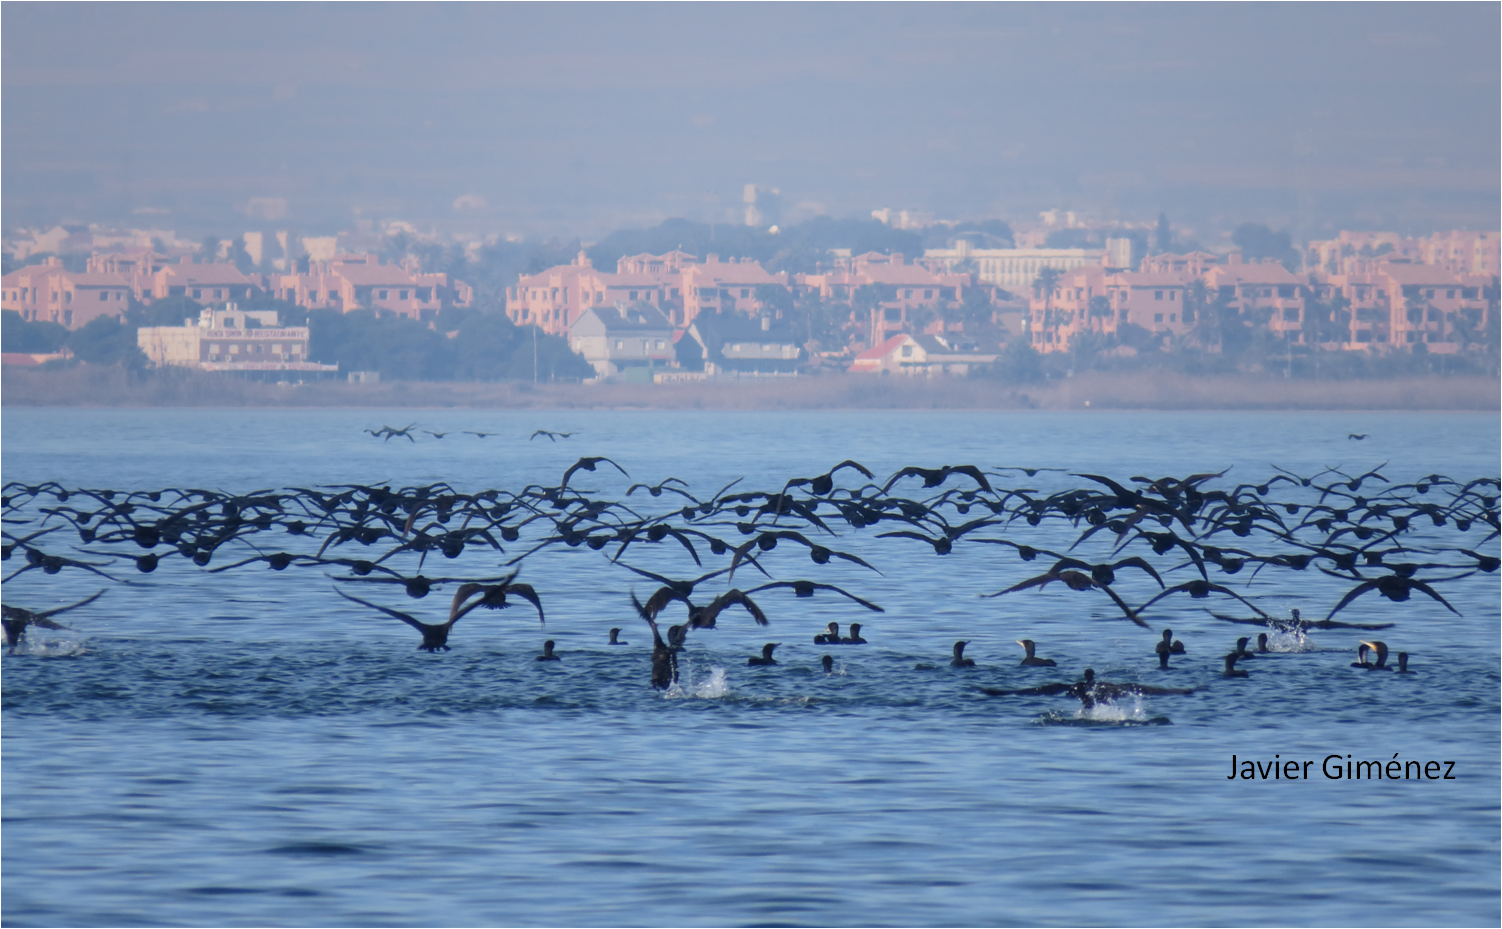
(48, 293)
(360, 282)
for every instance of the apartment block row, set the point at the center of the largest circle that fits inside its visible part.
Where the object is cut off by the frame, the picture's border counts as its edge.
(901, 294)
(48, 292)
(1389, 304)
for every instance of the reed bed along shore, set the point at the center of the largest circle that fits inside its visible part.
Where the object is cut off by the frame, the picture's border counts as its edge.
(115, 387)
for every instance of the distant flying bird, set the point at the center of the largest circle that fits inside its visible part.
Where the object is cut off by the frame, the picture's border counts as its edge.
(390, 432)
(436, 435)
(1358, 436)
(481, 434)
(552, 436)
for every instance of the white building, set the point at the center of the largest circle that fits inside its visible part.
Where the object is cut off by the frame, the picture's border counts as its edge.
(615, 338)
(1011, 269)
(230, 339)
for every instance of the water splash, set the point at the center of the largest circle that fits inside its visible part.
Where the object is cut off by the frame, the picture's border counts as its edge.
(50, 648)
(713, 687)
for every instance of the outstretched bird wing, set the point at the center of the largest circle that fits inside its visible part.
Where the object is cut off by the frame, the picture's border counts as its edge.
(807, 588)
(415, 623)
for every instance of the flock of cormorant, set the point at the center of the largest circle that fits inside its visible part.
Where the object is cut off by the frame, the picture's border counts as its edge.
(1360, 528)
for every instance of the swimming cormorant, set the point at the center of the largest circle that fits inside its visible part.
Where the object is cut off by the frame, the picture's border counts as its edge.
(959, 660)
(1231, 669)
(855, 636)
(1032, 660)
(613, 637)
(1262, 648)
(766, 658)
(1241, 649)
(1381, 649)
(547, 652)
(828, 663)
(1403, 663)
(830, 636)
(1361, 661)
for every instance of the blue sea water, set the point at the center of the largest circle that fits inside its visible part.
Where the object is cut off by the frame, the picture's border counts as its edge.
(247, 748)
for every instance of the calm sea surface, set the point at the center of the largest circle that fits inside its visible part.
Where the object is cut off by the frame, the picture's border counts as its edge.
(247, 748)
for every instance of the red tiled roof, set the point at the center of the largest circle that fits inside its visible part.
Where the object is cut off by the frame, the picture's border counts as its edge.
(882, 350)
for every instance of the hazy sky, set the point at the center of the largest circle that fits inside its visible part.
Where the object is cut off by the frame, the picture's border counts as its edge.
(572, 117)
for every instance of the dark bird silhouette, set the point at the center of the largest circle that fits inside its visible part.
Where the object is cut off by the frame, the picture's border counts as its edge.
(1076, 580)
(1361, 653)
(482, 435)
(1231, 669)
(959, 660)
(664, 654)
(1394, 587)
(587, 464)
(828, 662)
(1089, 691)
(830, 636)
(1032, 660)
(1241, 650)
(933, 477)
(1199, 590)
(547, 652)
(1262, 648)
(807, 588)
(854, 638)
(1403, 663)
(390, 432)
(613, 637)
(552, 436)
(15, 619)
(766, 658)
(1358, 436)
(436, 435)
(435, 635)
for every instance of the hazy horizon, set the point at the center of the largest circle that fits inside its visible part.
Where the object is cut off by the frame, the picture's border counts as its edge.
(582, 118)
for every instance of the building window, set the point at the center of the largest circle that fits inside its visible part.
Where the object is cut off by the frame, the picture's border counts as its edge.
(103, 296)
(401, 295)
(1429, 294)
(381, 294)
(745, 292)
(633, 295)
(1450, 295)
(1157, 317)
(1123, 315)
(1291, 314)
(907, 351)
(620, 343)
(197, 295)
(1158, 295)
(1173, 317)
(234, 349)
(218, 294)
(1267, 291)
(928, 294)
(296, 349)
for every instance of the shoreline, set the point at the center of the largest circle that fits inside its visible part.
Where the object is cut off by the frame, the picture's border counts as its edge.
(85, 387)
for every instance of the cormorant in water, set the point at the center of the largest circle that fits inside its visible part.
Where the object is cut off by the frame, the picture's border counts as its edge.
(1089, 691)
(16, 619)
(1231, 669)
(830, 636)
(828, 663)
(1241, 649)
(1169, 645)
(855, 636)
(547, 652)
(1262, 648)
(766, 658)
(664, 658)
(615, 641)
(1403, 663)
(959, 660)
(1032, 660)
(1361, 661)
(1381, 649)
